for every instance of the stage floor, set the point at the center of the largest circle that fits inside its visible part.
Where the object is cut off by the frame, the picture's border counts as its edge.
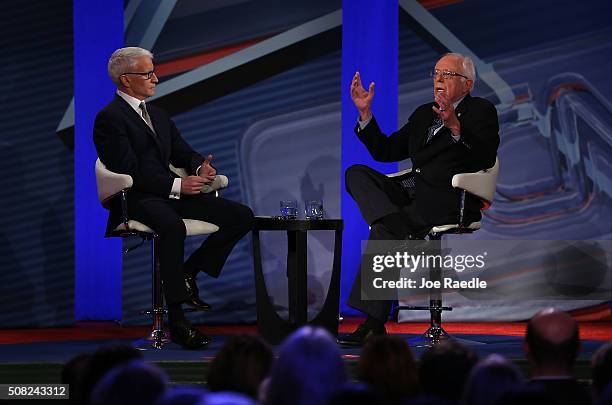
(37, 355)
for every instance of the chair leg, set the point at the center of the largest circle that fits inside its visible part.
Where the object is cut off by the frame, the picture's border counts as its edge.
(435, 332)
(158, 338)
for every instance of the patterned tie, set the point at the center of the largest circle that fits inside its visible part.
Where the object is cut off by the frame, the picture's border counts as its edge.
(408, 182)
(431, 131)
(145, 115)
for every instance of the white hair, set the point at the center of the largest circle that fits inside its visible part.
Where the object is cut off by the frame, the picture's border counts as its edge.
(123, 60)
(467, 64)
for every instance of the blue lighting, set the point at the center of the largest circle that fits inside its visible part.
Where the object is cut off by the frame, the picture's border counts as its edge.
(98, 31)
(370, 46)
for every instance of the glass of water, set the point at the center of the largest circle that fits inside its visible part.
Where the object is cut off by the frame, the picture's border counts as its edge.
(288, 209)
(313, 209)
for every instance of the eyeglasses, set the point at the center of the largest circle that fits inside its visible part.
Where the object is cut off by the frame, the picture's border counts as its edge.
(446, 74)
(146, 75)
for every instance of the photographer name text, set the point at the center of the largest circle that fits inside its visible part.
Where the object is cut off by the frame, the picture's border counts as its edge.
(446, 282)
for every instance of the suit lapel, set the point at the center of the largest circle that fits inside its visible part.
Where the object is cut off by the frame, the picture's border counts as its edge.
(137, 119)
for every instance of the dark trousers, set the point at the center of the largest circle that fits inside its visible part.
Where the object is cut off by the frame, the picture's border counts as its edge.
(165, 216)
(377, 196)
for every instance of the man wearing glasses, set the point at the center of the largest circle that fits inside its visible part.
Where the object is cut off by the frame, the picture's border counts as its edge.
(457, 133)
(138, 139)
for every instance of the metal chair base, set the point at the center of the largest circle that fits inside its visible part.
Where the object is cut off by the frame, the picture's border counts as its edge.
(157, 339)
(435, 332)
(431, 337)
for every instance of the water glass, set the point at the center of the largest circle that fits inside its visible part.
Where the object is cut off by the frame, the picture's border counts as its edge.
(313, 209)
(288, 209)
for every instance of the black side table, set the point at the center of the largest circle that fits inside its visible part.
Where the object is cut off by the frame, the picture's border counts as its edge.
(271, 326)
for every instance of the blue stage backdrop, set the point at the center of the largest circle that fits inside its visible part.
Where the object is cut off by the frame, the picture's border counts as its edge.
(98, 31)
(369, 45)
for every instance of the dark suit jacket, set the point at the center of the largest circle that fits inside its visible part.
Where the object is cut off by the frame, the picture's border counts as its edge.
(126, 144)
(435, 163)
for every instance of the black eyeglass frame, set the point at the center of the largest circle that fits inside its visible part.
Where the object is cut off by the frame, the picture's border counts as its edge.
(147, 75)
(446, 74)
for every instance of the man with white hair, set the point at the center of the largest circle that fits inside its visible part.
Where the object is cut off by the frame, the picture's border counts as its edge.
(457, 133)
(141, 140)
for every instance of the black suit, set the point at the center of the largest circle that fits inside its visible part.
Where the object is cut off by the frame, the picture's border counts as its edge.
(126, 144)
(434, 163)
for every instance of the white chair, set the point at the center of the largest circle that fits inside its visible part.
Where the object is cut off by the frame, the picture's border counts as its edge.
(115, 185)
(480, 184)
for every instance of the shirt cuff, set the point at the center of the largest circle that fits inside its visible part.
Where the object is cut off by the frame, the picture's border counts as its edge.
(175, 193)
(363, 124)
(198, 170)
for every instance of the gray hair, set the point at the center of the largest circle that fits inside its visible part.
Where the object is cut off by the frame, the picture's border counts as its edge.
(467, 64)
(122, 60)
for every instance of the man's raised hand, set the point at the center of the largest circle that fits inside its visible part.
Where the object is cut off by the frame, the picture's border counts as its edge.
(447, 114)
(362, 98)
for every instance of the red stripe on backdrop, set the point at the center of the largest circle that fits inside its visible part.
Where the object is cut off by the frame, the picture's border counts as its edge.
(184, 64)
(429, 4)
(187, 63)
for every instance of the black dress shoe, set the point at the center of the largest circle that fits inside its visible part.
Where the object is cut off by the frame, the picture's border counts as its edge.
(187, 336)
(193, 294)
(361, 335)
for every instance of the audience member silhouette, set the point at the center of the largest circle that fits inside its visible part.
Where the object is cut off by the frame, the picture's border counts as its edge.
(182, 395)
(134, 383)
(356, 394)
(445, 368)
(240, 366)
(525, 395)
(226, 398)
(102, 361)
(551, 346)
(387, 364)
(425, 399)
(606, 396)
(72, 374)
(601, 369)
(490, 380)
(308, 369)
